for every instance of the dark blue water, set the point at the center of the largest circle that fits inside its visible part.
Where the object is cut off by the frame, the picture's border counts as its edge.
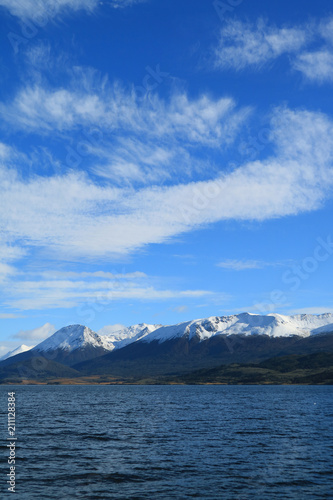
(172, 442)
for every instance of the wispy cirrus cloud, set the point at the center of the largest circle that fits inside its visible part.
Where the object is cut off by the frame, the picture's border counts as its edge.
(40, 290)
(326, 29)
(203, 121)
(180, 309)
(247, 45)
(8, 254)
(43, 10)
(242, 265)
(125, 3)
(243, 44)
(92, 275)
(41, 295)
(316, 66)
(130, 140)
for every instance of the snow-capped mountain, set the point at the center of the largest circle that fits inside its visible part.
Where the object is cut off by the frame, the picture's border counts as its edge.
(125, 336)
(73, 337)
(76, 343)
(273, 325)
(215, 341)
(73, 344)
(18, 350)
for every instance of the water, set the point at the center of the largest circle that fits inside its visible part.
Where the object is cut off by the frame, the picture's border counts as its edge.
(171, 442)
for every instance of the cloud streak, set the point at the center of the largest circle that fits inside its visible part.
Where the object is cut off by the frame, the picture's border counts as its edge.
(40, 333)
(242, 44)
(40, 295)
(245, 45)
(54, 289)
(40, 11)
(242, 265)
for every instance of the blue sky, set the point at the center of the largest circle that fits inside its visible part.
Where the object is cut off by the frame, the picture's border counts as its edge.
(162, 161)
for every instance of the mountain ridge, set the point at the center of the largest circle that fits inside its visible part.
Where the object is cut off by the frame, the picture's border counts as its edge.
(73, 337)
(155, 350)
(273, 325)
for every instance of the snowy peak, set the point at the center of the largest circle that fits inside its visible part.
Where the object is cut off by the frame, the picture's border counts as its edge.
(273, 325)
(123, 337)
(75, 337)
(18, 350)
(71, 338)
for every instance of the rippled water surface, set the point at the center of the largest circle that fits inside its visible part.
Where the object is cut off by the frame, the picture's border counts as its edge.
(177, 442)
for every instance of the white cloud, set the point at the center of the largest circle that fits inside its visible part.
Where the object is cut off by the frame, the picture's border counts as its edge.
(72, 217)
(50, 290)
(125, 3)
(42, 11)
(133, 161)
(325, 30)
(243, 44)
(204, 120)
(316, 66)
(5, 151)
(39, 333)
(127, 141)
(37, 108)
(9, 253)
(41, 297)
(180, 309)
(96, 274)
(6, 270)
(110, 329)
(241, 265)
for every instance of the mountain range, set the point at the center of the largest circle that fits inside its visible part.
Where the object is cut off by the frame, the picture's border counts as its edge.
(145, 350)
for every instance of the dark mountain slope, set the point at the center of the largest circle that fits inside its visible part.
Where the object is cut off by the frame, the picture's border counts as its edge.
(181, 355)
(36, 368)
(315, 368)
